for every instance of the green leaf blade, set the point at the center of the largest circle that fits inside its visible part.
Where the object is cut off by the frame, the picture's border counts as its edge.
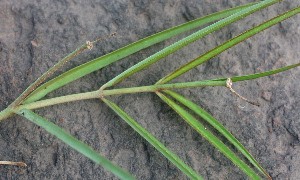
(258, 75)
(75, 144)
(232, 42)
(219, 127)
(193, 122)
(153, 141)
(222, 81)
(105, 60)
(188, 40)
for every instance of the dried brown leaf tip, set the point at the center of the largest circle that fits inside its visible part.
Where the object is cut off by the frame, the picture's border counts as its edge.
(11, 163)
(89, 45)
(229, 86)
(34, 43)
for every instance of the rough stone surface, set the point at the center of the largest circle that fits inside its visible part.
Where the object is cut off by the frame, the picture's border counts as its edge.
(35, 34)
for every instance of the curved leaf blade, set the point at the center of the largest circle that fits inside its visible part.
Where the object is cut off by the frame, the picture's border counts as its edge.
(188, 40)
(47, 74)
(222, 81)
(232, 42)
(114, 56)
(75, 144)
(153, 141)
(194, 123)
(258, 75)
(219, 127)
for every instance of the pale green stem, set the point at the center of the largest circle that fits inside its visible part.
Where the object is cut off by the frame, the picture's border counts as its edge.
(100, 94)
(6, 113)
(60, 100)
(154, 88)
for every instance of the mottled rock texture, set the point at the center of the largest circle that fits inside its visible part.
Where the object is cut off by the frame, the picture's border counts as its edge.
(35, 34)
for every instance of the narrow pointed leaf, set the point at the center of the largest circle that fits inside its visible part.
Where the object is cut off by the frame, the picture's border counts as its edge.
(114, 56)
(153, 141)
(188, 40)
(232, 42)
(75, 144)
(222, 81)
(258, 75)
(193, 122)
(47, 74)
(219, 127)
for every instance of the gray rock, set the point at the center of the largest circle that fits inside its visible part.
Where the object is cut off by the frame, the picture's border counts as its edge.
(35, 34)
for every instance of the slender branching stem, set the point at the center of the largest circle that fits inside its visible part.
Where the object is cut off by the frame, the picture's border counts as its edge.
(6, 113)
(59, 100)
(161, 87)
(101, 94)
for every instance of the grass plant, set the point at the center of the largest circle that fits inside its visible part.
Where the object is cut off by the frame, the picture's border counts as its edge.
(30, 99)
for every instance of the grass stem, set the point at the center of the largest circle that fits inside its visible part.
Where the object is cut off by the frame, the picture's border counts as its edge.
(100, 94)
(6, 113)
